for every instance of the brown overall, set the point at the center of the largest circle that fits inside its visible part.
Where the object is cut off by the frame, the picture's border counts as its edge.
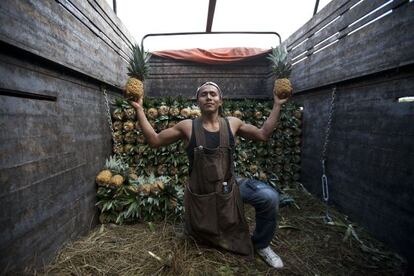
(211, 215)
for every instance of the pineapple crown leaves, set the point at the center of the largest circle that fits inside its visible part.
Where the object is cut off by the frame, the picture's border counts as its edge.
(116, 165)
(281, 65)
(121, 103)
(138, 63)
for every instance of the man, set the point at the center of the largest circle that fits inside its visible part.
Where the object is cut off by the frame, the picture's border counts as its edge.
(261, 196)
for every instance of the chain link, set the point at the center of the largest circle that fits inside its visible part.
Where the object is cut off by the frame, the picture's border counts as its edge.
(324, 178)
(328, 127)
(108, 116)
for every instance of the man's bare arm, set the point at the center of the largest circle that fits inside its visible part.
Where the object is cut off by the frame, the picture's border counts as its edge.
(263, 134)
(166, 136)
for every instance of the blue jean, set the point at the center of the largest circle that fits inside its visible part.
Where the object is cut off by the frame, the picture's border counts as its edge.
(265, 201)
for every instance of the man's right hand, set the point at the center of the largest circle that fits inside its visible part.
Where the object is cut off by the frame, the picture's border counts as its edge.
(137, 104)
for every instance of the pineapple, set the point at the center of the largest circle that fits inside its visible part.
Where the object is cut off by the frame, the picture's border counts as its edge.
(140, 139)
(118, 114)
(253, 168)
(297, 114)
(145, 189)
(129, 125)
(152, 113)
(116, 180)
(137, 71)
(174, 111)
(185, 112)
(227, 113)
(162, 169)
(128, 148)
(133, 176)
(173, 170)
(118, 137)
(258, 115)
(133, 188)
(130, 137)
(173, 202)
(130, 113)
(243, 156)
(118, 149)
(104, 177)
(163, 110)
(171, 123)
(238, 114)
(117, 125)
(112, 166)
(262, 176)
(281, 68)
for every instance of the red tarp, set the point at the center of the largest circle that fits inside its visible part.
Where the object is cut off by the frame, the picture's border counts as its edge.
(213, 56)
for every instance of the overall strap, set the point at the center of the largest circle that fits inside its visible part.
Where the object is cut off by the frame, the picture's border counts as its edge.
(200, 139)
(224, 133)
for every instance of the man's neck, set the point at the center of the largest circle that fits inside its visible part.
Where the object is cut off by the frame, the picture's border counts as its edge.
(210, 120)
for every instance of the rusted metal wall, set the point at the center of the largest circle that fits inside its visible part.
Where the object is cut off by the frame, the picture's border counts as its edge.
(366, 50)
(55, 57)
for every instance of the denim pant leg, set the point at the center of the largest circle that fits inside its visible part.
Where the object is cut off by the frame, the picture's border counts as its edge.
(265, 200)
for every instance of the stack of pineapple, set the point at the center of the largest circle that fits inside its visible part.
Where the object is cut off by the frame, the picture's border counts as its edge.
(143, 183)
(158, 175)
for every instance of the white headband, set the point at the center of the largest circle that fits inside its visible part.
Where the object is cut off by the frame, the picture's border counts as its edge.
(209, 83)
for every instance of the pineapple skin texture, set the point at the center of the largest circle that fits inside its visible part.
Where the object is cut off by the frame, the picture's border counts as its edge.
(282, 88)
(134, 88)
(117, 180)
(104, 177)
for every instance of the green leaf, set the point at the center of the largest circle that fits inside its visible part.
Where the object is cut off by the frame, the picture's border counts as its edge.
(151, 226)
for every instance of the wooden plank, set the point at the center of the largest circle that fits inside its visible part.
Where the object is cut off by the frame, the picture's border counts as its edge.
(41, 27)
(384, 44)
(83, 11)
(43, 207)
(68, 223)
(102, 8)
(346, 18)
(323, 17)
(237, 80)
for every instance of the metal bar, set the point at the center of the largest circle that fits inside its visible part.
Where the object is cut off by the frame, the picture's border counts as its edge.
(210, 15)
(205, 33)
(114, 5)
(316, 7)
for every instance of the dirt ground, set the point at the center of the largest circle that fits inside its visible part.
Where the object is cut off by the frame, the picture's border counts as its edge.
(307, 245)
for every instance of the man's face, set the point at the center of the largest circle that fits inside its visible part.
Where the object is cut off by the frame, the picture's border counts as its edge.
(209, 99)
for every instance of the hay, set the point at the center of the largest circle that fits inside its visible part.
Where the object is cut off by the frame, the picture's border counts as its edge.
(306, 244)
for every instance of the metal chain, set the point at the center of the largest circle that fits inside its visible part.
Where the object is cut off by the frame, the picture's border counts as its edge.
(328, 127)
(108, 116)
(324, 178)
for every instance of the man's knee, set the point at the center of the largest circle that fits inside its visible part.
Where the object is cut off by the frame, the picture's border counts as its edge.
(269, 200)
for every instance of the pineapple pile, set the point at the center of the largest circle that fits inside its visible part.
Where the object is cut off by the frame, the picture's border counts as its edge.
(138, 70)
(113, 174)
(282, 68)
(153, 186)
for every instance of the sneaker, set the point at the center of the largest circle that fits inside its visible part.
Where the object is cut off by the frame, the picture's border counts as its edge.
(270, 257)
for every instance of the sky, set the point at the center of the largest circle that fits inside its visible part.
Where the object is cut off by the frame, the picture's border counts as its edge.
(167, 16)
